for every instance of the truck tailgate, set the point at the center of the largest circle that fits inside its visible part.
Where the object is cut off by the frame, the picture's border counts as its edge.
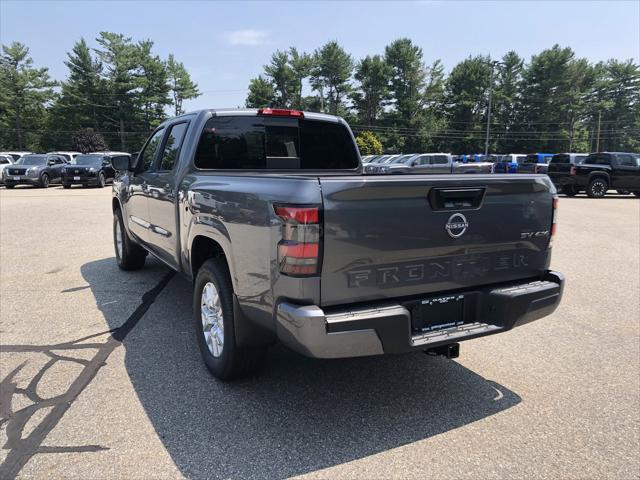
(396, 236)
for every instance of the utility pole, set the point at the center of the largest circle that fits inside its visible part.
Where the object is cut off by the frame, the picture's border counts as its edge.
(598, 137)
(486, 142)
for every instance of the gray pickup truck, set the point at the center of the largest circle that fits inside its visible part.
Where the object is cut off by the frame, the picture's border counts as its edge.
(427, 163)
(268, 213)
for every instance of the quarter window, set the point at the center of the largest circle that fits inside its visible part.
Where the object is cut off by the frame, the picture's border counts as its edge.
(172, 146)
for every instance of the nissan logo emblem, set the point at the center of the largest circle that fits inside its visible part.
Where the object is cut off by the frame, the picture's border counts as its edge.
(456, 225)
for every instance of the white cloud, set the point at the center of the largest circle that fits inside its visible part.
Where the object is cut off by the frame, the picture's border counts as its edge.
(247, 37)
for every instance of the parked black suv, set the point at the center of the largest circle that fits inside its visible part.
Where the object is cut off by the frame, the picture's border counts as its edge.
(90, 169)
(561, 169)
(598, 173)
(34, 169)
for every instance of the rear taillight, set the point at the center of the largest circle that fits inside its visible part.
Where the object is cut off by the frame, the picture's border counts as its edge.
(572, 171)
(280, 112)
(553, 220)
(300, 247)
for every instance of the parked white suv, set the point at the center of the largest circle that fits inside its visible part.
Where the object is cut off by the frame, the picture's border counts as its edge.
(5, 160)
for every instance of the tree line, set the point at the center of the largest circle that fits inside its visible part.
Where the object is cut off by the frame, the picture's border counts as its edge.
(116, 93)
(113, 96)
(554, 102)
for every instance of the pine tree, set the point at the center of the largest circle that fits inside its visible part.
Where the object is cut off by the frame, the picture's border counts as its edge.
(331, 74)
(181, 86)
(372, 93)
(24, 93)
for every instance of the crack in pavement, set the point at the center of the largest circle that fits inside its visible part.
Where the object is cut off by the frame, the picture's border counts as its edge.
(21, 450)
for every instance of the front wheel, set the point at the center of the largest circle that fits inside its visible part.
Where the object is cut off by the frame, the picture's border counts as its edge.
(44, 181)
(129, 255)
(213, 318)
(569, 191)
(101, 181)
(597, 188)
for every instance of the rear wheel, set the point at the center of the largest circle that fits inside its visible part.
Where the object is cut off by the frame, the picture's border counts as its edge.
(9, 185)
(597, 187)
(44, 180)
(569, 190)
(129, 255)
(213, 318)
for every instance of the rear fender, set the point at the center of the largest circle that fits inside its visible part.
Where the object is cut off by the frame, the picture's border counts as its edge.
(206, 226)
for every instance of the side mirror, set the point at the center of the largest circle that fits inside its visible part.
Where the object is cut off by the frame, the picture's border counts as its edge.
(122, 164)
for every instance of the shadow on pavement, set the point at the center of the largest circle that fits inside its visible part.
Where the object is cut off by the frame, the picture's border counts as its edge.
(300, 414)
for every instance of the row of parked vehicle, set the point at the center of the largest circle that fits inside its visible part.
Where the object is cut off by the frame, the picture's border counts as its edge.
(572, 173)
(66, 168)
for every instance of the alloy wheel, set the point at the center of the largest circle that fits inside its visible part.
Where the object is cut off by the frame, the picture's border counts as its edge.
(212, 319)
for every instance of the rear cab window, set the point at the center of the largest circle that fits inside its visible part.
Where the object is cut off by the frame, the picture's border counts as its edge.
(273, 143)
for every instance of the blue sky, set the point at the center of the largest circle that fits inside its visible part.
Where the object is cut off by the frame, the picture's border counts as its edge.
(224, 44)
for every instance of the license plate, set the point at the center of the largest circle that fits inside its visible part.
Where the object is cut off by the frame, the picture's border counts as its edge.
(16, 178)
(438, 313)
(76, 178)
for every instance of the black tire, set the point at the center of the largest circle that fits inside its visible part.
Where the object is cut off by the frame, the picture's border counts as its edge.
(9, 186)
(623, 192)
(637, 194)
(66, 186)
(133, 255)
(44, 180)
(598, 187)
(101, 181)
(569, 190)
(233, 362)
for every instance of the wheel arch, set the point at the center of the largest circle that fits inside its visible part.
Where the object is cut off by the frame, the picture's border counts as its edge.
(600, 174)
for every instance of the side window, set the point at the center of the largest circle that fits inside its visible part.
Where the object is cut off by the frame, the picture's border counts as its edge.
(439, 160)
(59, 160)
(172, 146)
(626, 160)
(145, 159)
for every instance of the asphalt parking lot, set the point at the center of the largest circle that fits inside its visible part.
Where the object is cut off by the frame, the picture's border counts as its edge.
(101, 377)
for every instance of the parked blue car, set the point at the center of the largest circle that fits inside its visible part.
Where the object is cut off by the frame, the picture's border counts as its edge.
(507, 163)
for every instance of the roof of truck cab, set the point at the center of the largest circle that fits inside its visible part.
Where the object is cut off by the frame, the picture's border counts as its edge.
(254, 112)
